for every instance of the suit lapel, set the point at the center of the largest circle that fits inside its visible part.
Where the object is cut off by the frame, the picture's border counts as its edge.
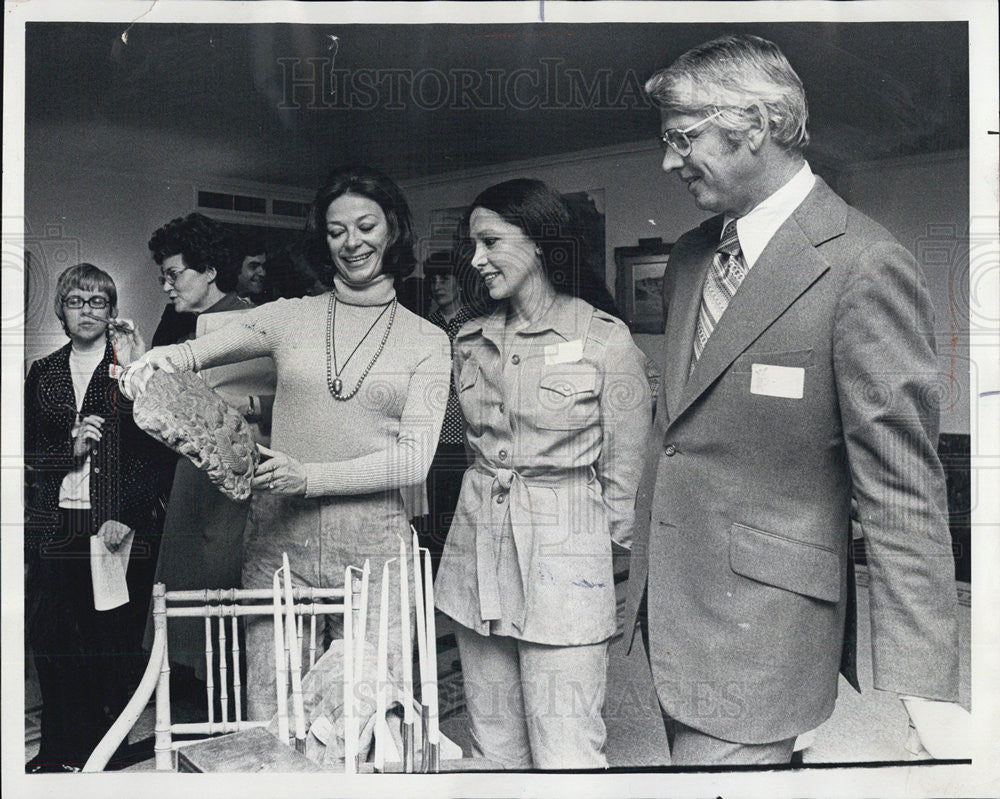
(683, 314)
(785, 269)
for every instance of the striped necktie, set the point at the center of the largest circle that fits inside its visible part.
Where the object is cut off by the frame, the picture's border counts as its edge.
(727, 272)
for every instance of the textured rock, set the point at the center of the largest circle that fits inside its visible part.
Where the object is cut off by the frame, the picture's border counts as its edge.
(180, 410)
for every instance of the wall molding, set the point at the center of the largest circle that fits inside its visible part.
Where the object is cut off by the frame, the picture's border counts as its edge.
(643, 147)
(492, 170)
(922, 159)
(205, 182)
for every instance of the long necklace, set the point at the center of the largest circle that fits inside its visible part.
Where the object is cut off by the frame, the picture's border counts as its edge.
(333, 381)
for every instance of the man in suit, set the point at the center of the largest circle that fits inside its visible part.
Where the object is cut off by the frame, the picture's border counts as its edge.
(800, 372)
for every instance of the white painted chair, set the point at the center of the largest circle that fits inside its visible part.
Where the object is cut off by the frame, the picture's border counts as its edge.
(221, 609)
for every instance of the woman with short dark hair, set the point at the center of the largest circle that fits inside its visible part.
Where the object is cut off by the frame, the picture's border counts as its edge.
(397, 261)
(203, 533)
(198, 273)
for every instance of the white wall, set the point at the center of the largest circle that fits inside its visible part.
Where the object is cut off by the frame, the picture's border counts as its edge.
(77, 213)
(924, 202)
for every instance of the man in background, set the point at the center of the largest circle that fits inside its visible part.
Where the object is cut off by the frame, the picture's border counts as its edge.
(250, 283)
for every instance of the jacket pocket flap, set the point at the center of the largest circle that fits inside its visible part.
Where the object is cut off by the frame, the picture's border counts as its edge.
(569, 383)
(795, 358)
(784, 563)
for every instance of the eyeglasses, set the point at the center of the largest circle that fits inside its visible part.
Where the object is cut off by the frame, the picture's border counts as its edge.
(169, 277)
(76, 302)
(678, 140)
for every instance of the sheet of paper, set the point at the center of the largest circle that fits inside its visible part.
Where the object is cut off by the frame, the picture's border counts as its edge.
(564, 352)
(107, 573)
(777, 381)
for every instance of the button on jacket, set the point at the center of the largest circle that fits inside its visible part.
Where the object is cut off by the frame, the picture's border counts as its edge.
(558, 425)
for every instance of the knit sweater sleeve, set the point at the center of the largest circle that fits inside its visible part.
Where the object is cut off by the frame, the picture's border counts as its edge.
(407, 460)
(255, 334)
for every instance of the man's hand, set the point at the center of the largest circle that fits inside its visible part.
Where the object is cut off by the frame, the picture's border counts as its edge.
(113, 533)
(944, 728)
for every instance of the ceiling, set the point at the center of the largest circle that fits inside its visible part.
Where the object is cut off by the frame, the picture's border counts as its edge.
(197, 98)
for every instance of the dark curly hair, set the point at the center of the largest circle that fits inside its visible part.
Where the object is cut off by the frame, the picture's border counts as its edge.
(364, 181)
(202, 243)
(546, 219)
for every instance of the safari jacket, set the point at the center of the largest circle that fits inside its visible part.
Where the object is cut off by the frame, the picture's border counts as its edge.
(558, 427)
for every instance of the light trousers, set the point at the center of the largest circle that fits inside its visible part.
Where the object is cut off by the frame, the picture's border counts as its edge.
(534, 705)
(321, 536)
(689, 747)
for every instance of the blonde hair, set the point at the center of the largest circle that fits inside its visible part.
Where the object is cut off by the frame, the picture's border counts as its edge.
(86, 277)
(738, 75)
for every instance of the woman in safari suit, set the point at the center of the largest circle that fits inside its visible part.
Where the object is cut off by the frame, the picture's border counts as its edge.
(557, 407)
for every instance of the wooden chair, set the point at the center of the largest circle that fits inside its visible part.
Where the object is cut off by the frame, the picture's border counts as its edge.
(289, 608)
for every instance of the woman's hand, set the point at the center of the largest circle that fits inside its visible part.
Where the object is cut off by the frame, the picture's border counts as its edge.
(86, 433)
(278, 473)
(128, 342)
(167, 359)
(113, 534)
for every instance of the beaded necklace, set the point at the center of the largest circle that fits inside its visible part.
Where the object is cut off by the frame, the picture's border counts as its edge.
(333, 381)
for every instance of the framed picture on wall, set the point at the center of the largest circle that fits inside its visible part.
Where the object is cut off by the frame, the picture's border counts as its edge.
(639, 284)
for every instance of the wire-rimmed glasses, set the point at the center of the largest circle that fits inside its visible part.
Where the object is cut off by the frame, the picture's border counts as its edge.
(678, 140)
(169, 277)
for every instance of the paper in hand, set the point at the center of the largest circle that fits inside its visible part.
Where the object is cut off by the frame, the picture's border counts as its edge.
(107, 572)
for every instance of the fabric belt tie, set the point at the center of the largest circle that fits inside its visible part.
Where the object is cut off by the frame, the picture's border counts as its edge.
(524, 510)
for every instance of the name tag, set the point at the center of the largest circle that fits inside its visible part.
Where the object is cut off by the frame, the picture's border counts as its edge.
(777, 381)
(566, 352)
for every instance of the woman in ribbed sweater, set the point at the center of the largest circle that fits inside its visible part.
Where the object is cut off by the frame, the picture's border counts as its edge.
(361, 392)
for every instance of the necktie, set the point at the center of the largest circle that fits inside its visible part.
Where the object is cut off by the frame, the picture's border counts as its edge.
(727, 272)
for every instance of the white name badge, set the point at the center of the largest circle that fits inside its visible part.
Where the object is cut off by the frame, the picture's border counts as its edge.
(777, 381)
(566, 352)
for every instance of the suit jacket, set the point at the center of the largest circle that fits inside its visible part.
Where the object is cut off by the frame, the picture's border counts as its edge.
(746, 555)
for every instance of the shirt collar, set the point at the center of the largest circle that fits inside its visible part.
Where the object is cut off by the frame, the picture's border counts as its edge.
(758, 227)
(228, 302)
(462, 315)
(564, 316)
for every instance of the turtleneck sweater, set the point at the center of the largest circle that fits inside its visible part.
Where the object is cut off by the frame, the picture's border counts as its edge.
(385, 436)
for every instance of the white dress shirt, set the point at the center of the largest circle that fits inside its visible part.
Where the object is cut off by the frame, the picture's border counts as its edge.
(758, 227)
